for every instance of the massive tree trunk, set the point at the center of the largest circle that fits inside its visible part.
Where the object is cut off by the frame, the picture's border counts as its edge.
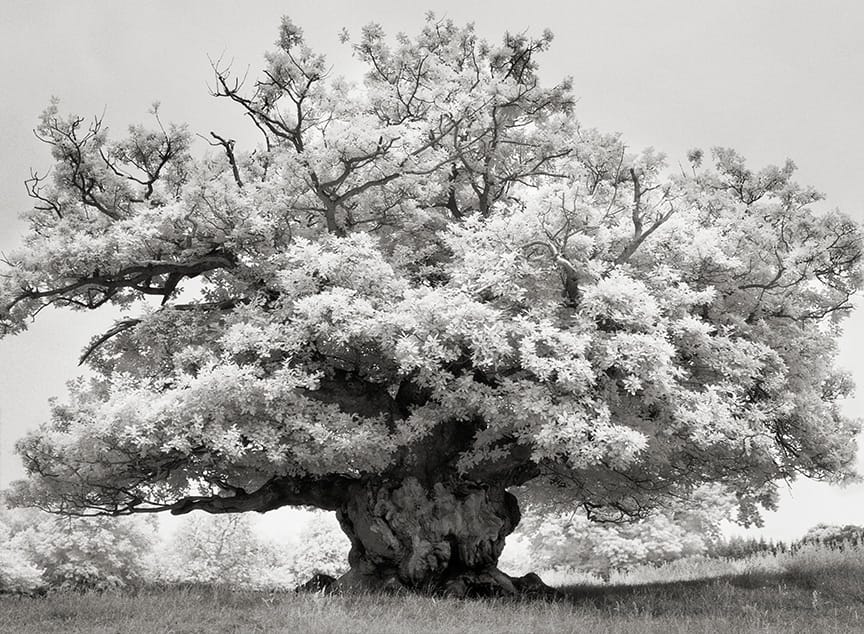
(442, 538)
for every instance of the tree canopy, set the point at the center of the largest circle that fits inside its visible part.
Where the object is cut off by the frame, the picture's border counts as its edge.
(433, 284)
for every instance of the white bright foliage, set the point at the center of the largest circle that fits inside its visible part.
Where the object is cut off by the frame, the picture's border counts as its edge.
(38, 550)
(212, 550)
(231, 550)
(442, 244)
(569, 543)
(18, 574)
(321, 547)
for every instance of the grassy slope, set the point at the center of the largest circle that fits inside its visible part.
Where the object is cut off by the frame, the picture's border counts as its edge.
(813, 591)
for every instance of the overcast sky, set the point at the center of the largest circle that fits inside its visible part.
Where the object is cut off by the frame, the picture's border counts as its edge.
(773, 79)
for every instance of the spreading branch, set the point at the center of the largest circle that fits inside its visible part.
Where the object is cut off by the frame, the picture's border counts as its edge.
(143, 278)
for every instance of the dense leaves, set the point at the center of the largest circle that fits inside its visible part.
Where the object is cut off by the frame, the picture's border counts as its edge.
(321, 548)
(39, 551)
(437, 270)
(18, 573)
(568, 542)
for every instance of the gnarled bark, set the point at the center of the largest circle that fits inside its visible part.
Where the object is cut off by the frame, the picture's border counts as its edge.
(440, 538)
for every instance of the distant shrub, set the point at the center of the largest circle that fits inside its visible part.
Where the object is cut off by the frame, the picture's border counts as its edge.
(323, 548)
(227, 550)
(839, 537)
(39, 550)
(737, 547)
(87, 553)
(561, 542)
(17, 573)
(828, 571)
(211, 550)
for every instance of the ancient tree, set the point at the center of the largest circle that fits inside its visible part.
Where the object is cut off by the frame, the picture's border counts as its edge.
(419, 295)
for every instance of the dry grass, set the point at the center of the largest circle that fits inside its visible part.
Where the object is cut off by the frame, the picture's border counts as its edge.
(815, 590)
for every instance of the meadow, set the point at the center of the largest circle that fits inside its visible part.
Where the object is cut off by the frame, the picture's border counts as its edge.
(816, 589)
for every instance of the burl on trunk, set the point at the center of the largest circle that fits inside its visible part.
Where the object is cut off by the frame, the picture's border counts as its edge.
(439, 538)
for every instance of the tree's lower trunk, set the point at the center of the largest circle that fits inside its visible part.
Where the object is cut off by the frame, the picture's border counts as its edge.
(443, 538)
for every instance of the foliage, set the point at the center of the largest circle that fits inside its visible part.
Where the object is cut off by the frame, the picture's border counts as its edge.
(834, 536)
(40, 551)
(737, 547)
(569, 542)
(229, 550)
(44, 551)
(212, 550)
(88, 553)
(437, 271)
(17, 573)
(821, 536)
(321, 548)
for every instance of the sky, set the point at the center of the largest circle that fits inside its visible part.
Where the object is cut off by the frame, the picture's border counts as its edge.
(773, 79)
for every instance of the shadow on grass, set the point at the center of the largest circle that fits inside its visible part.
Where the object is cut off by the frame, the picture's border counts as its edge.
(686, 587)
(770, 590)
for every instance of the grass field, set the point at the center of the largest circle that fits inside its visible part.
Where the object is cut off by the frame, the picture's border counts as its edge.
(813, 591)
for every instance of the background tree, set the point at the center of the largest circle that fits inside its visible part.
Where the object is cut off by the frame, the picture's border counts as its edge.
(212, 550)
(569, 542)
(321, 548)
(41, 551)
(18, 574)
(419, 293)
(836, 537)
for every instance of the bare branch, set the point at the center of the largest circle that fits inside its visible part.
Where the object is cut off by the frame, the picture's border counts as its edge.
(228, 146)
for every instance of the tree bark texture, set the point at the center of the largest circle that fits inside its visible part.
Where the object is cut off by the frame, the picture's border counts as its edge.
(439, 538)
